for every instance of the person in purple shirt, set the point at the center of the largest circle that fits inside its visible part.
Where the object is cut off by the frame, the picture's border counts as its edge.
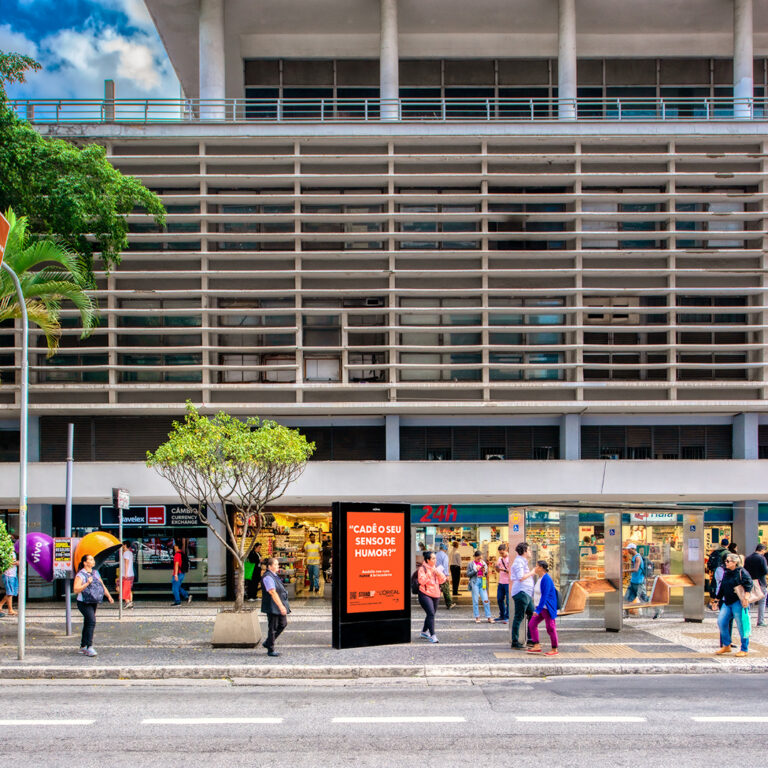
(545, 611)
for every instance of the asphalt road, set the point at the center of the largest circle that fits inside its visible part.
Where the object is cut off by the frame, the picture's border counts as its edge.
(597, 721)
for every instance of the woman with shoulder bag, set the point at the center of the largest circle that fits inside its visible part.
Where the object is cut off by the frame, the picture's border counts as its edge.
(90, 591)
(735, 580)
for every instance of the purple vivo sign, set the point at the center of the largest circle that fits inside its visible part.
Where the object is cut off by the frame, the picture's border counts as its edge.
(40, 554)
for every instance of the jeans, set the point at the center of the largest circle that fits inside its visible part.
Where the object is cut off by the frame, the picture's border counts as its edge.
(446, 590)
(178, 591)
(502, 598)
(523, 610)
(429, 604)
(478, 592)
(89, 622)
(549, 623)
(740, 616)
(455, 578)
(761, 603)
(313, 571)
(276, 623)
(635, 591)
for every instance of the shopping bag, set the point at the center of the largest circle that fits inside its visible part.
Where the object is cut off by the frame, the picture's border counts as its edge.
(249, 571)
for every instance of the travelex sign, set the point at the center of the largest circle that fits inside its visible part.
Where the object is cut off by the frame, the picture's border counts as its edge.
(148, 515)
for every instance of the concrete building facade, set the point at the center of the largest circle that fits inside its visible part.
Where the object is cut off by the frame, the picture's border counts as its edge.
(480, 253)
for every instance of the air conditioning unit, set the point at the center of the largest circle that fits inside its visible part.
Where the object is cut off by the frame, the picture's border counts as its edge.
(611, 318)
(374, 301)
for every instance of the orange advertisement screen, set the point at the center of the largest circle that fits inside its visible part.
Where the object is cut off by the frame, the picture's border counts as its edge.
(375, 561)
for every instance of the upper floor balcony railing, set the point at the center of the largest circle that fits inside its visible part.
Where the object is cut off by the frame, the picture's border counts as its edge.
(144, 111)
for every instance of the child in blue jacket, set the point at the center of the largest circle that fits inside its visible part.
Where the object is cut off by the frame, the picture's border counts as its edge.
(545, 611)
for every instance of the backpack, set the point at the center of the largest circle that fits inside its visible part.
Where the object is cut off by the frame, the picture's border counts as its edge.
(648, 568)
(415, 582)
(94, 592)
(713, 561)
(184, 568)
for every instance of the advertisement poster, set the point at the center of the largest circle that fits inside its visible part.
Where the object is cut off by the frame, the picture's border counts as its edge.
(62, 558)
(375, 562)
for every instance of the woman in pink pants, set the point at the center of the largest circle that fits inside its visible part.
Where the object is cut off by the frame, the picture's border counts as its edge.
(546, 611)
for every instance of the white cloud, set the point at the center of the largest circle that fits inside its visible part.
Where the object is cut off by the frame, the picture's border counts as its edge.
(135, 10)
(77, 61)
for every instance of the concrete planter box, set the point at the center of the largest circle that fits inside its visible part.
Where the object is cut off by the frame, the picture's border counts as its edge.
(236, 630)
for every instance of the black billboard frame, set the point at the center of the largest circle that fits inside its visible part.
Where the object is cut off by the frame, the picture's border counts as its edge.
(362, 630)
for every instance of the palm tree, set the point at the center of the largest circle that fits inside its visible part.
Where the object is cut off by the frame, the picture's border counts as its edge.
(49, 273)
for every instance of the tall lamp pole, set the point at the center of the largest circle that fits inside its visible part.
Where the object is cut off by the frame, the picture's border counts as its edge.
(23, 422)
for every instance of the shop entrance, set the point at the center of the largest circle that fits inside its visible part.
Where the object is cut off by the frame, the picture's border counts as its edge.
(286, 536)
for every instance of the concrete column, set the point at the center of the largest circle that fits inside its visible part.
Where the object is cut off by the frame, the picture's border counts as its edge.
(33, 438)
(109, 101)
(570, 436)
(392, 432)
(217, 563)
(389, 62)
(745, 436)
(566, 60)
(743, 59)
(211, 62)
(745, 521)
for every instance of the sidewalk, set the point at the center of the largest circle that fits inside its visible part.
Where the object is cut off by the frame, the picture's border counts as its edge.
(156, 641)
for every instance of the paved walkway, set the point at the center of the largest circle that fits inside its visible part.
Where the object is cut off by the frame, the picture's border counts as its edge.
(155, 640)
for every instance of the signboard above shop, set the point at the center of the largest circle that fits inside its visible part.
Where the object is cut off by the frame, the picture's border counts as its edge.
(150, 515)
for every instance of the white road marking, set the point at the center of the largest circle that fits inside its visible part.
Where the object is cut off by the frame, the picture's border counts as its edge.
(731, 719)
(579, 719)
(212, 720)
(11, 723)
(401, 719)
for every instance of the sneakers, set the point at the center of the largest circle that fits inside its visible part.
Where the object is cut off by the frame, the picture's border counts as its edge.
(90, 652)
(723, 649)
(175, 605)
(553, 652)
(433, 639)
(741, 654)
(189, 599)
(517, 647)
(658, 613)
(251, 600)
(425, 635)
(761, 624)
(127, 605)
(82, 649)
(534, 649)
(273, 653)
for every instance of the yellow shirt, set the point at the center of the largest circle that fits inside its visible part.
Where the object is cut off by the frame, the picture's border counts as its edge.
(312, 552)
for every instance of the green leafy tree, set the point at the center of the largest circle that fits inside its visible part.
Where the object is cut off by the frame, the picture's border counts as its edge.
(7, 552)
(49, 274)
(222, 463)
(64, 190)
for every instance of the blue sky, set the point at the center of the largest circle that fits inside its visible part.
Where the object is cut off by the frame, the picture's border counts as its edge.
(81, 43)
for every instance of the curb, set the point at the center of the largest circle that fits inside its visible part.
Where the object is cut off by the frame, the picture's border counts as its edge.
(359, 672)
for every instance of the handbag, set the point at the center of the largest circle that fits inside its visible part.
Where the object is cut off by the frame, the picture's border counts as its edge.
(747, 598)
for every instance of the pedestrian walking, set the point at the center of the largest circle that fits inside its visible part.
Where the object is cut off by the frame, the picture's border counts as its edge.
(477, 572)
(11, 586)
(127, 574)
(545, 611)
(312, 555)
(180, 570)
(90, 591)
(502, 590)
(636, 589)
(430, 581)
(326, 558)
(757, 567)
(521, 584)
(733, 548)
(274, 603)
(442, 564)
(455, 568)
(254, 557)
(731, 607)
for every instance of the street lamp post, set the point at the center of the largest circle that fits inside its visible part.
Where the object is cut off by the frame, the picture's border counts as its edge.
(23, 423)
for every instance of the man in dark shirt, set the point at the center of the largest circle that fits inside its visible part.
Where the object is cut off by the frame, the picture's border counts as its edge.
(757, 567)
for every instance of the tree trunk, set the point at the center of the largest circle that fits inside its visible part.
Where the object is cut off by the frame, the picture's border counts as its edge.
(239, 587)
